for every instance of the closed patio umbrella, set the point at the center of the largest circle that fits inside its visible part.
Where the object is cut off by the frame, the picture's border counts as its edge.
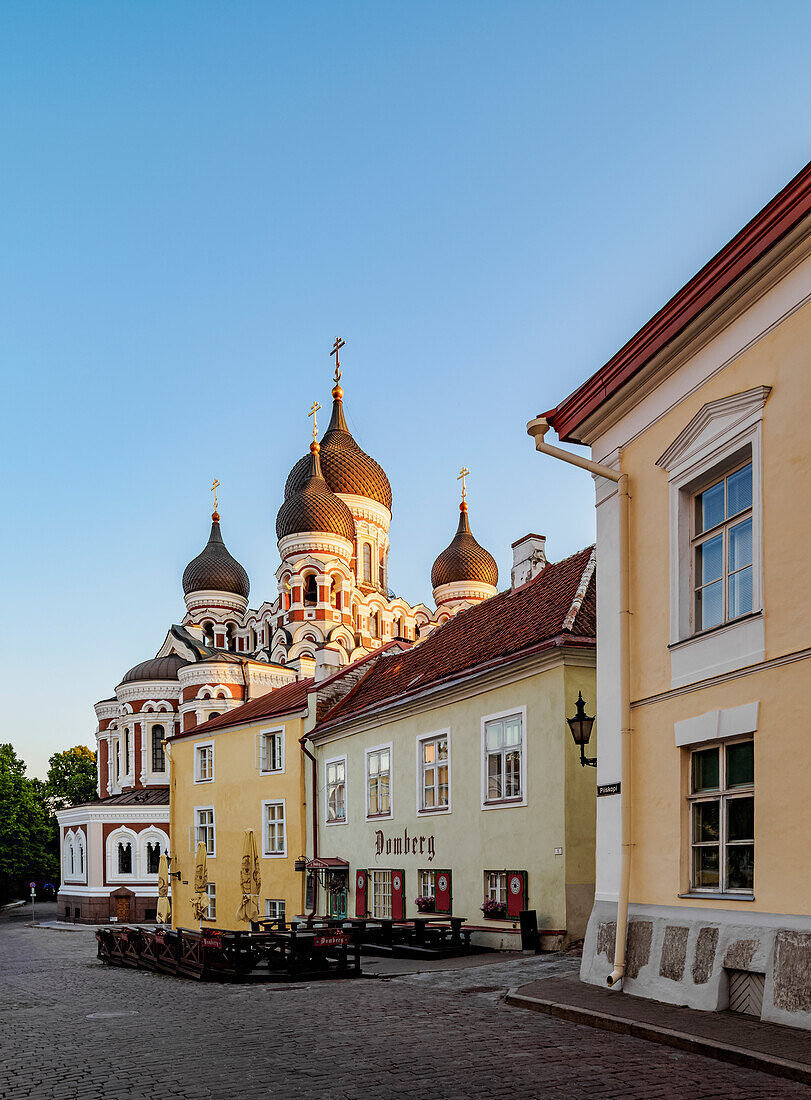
(163, 890)
(199, 901)
(250, 879)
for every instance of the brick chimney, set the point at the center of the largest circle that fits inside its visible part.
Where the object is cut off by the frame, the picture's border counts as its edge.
(529, 558)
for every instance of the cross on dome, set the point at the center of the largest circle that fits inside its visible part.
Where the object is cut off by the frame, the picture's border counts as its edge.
(313, 410)
(461, 476)
(214, 487)
(336, 348)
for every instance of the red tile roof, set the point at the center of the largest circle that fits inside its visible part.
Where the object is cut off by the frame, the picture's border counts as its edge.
(504, 627)
(282, 700)
(778, 218)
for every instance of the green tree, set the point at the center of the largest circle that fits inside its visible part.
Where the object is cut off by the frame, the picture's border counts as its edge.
(28, 840)
(71, 777)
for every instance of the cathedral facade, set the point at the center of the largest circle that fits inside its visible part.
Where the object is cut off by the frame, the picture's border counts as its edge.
(333, 606)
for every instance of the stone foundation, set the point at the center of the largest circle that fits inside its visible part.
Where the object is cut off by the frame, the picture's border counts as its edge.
(79, 909)
(686, 955)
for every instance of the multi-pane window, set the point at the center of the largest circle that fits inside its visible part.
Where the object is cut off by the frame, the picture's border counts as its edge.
(153, 858)
(204, 763)
(381, 894)
(211, 910)
(158, 754)
(124, 858)
(367, 562)
(427, 884)
(722, 817)
(271, 751)
(204, 829)
(722, 550)
(274, 909)
(503, 749)
(496, 886)
(434, 773)
(274, 829)
(336, 790)
(378, 782)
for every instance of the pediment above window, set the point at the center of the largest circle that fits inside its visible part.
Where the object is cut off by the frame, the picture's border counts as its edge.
(714, 425)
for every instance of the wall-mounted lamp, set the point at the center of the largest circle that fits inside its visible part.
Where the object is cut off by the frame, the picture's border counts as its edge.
(172, 874)
(580, 726)
(300, 864)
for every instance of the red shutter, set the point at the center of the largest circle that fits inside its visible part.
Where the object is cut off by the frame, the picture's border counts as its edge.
(443, 891)
(397, 895)
(360, 894)
(516, 892)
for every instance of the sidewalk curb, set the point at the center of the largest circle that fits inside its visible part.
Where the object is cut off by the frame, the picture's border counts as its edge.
(722, 1052)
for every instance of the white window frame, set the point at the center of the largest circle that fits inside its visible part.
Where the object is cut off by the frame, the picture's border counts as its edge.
(270, 731)
(337, 760)
(376, 875)
(504, 803)
(720, 433)
(367, 754)
(500, 886)
(273, 802)
(211, 891)
(197, 747)
(422, 738)
(274, 914)
(723, 530)
(427, 883)
(150, 771)
(196, 826)
(123, 834)
(723, 795)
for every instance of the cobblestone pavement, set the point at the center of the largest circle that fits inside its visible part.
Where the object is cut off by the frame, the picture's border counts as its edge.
(73, 1028)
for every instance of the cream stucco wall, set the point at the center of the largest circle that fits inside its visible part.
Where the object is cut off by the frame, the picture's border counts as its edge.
(468, 840)
(237, 793)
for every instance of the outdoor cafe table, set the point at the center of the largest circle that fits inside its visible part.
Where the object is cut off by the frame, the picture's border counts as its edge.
(422, 924)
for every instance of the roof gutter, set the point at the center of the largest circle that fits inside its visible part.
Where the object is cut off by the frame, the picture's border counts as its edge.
(538, 428)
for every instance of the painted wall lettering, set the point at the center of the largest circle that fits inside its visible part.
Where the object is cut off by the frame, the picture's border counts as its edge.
(405, 845)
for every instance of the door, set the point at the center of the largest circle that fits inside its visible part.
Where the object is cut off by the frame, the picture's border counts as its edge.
(338, 890)
(122, 909)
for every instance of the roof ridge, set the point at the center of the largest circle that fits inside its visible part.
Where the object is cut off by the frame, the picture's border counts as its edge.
(582, 589)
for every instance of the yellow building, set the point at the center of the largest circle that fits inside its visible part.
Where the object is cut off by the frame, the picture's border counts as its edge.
(242, 770)
(706, 410)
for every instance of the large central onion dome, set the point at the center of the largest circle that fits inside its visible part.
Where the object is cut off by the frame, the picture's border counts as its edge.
(346, 468)
(464, 559)
(312, 506)
(215, 569)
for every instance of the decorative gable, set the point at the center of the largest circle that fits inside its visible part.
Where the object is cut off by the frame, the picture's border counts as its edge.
(715, 425)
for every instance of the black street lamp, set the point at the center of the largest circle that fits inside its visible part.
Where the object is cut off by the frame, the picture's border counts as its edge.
(580, 726)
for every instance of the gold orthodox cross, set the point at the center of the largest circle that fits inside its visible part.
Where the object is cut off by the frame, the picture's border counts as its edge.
(312, 412)
(463, 473)
(336, 348)
(214, 491)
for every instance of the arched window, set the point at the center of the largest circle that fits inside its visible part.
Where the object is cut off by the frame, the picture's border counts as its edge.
(374, 621)
(124, 858)
(80, 843)
(367, 562)
(214, 714)
(126, 752)
(335, 593)
(158, 754)
(208, 634)
(71, 857)
(230, 637)
(153, 857)
(310, 590)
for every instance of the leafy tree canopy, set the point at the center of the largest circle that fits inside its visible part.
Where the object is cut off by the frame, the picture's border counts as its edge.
(71, 777)
(28, 831)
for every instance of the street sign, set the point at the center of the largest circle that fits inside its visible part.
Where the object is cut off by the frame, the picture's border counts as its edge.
(33, 885)
(608, 788)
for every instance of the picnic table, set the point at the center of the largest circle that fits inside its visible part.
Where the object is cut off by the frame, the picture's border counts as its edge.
(429, 927)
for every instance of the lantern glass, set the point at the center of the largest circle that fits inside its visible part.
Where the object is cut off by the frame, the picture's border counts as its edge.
(581, 723)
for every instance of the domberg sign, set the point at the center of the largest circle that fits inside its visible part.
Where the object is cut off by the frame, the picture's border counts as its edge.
(404, 845)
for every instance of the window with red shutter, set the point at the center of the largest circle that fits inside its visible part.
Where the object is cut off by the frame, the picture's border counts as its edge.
(361, 909)
(516, 892)
(398, 895)
(443, 891)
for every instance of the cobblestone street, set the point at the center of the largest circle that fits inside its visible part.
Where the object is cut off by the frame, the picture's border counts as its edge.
(72, 1027)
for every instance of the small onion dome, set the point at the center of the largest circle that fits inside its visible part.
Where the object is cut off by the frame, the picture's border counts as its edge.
(313, 507)
(464, 559)
(346, 468)
(215, 569)
(157, 668)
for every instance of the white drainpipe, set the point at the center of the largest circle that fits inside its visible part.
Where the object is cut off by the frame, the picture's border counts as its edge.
(537, 429)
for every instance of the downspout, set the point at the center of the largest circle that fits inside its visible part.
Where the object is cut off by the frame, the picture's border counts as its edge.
(307, 752)
(538, 428)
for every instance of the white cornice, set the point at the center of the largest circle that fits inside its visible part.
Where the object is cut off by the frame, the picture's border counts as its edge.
(308, 542)
(463, 590)
(197, 601)
(364, 508)
(148, 689)
(79, 815)
(211, 672)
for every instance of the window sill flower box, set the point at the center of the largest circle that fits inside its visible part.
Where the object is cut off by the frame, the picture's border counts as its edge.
(425, 904)
(494, 910)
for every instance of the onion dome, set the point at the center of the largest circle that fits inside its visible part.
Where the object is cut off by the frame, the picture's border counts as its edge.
(464, 559)
(312, 506)
(215, 570)
(157, 668)
(346, 468)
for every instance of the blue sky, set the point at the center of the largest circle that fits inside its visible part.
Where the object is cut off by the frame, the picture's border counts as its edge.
(486, 200)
